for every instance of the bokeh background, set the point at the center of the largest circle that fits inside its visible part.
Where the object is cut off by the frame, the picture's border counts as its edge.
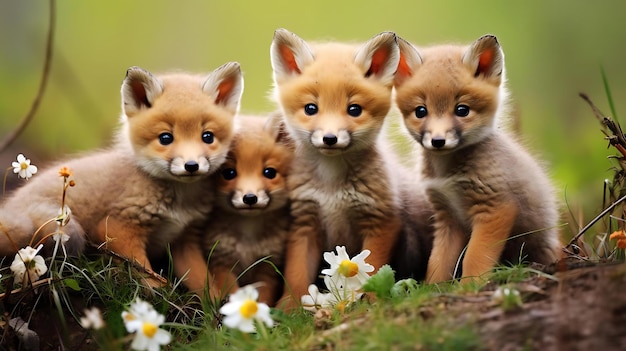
(554, 50)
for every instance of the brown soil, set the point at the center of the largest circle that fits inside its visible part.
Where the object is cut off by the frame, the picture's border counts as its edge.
(584, 308)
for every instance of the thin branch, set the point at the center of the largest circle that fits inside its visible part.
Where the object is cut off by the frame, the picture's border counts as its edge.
(10, 138)
(617, 139)
(595, 220)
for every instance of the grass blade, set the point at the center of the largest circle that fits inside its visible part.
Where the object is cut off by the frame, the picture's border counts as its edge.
(609, 97)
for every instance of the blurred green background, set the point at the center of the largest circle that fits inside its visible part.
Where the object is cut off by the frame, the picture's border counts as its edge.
(554, 50)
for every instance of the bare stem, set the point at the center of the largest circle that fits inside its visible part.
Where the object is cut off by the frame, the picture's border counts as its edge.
(595, 220)
(10, 138)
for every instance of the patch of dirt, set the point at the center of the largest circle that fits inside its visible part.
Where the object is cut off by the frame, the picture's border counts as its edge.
(583, 309)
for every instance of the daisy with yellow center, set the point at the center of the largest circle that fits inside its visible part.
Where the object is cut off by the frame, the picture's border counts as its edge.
(345, 272)
(23, 168)
(243, 309)
(144, 320)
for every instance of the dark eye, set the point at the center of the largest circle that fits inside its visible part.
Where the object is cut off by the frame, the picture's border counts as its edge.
(421, 112)
(269, 173)
(207, 137)
(354, 110)
(310, 109)
(229, 173)
(462, 110)
(166, 138)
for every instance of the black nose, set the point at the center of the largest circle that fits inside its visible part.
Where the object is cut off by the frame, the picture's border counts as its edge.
(438, 142)
(192, 166)
(329, 139)
(250, 199)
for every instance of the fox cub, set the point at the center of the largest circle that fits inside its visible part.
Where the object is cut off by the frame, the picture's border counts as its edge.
(139, 195)
(334, 98)
(251, 215)
(489, 195)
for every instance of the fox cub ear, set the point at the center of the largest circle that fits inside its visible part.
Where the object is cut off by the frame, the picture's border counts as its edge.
(139, 90)
(379, 57)
(289, 54)
(485, 57)
(275, 126)
(410, 59)
(225, 85)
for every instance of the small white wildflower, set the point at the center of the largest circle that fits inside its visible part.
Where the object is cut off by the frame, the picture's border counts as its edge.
(242, 309)
(62, 219)
(92, 319)
(338, 297)
(145, 321)
(23, 168)
(508, 298)
(64, 215)
(316, 299)
(345, 272)
(27, 260)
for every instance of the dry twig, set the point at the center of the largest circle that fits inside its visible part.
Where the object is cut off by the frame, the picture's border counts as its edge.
(616, 138)
(10, 138)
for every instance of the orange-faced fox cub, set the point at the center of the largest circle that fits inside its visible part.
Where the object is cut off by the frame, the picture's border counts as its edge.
(334, 99)
(139, 195)
(251, 214)
(490, 196)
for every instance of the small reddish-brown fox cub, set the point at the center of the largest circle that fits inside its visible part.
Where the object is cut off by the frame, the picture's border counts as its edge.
(251, 217)
(138, 196)
(334, 99)
(491, 198)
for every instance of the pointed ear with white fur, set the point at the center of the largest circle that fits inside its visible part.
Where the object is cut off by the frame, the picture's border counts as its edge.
(289, 54)
(379, 57)
(485, 57)
(410, 60)
(139, 90)
(275, 126)
(225, 85)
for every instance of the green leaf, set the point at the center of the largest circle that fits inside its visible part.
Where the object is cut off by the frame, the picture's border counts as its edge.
(381, 282)
(404, 287)
(72, 284)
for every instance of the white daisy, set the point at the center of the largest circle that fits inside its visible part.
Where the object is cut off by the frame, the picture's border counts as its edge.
(27, 260)
(145, 321)
(23, 168)
(242, 309)
(348, 273)
(337, 297)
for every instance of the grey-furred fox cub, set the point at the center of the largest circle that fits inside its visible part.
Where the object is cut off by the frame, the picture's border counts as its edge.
(251, 217)
(491, 198)
(139, 195)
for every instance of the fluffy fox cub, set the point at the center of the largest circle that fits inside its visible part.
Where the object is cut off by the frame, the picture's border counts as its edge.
(139, 195)
(251, 214)
(488, 193)
(334, 99)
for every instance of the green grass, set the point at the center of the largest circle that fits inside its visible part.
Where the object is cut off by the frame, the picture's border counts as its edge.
(97, 280)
